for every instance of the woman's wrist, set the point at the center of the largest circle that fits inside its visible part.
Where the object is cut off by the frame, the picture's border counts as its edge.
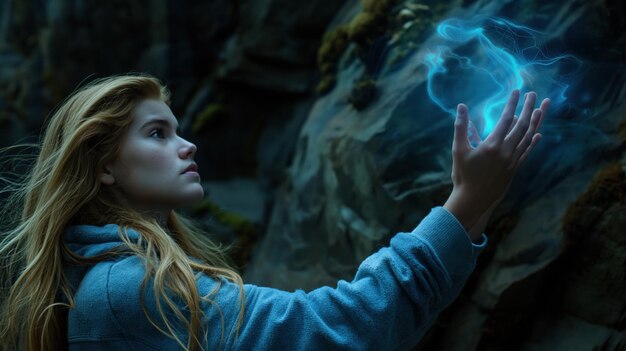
(476, 232)
(465, 212)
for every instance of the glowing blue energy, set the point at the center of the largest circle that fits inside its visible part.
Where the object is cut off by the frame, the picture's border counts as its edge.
(480, 61)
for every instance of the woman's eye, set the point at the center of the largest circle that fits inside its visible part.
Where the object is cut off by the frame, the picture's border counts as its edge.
(158, 132)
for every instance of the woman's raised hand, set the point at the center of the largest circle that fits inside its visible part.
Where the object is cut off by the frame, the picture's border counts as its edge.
(482, 175)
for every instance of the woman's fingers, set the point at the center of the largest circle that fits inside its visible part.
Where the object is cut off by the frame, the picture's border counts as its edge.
(513, 136)
(543, 111)
(515, 119)
(536, 139)
(545, 104)
(474, 137)
(460, 143)
(528, 137)
(499, 132)
(513, 139)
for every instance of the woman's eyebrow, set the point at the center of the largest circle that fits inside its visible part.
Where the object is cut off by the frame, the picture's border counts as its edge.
(160, 122)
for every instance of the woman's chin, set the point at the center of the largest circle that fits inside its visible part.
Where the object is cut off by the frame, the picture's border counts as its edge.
(194, 197)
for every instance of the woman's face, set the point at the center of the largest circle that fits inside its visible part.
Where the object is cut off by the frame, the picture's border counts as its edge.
(151, 167)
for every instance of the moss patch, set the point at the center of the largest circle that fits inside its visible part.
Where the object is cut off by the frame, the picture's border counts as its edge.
(366, 27)
(376, 6)
(210, 115)
(363, 30)
(607, 187)
(415, 28)
(326, 84)
(369, 33)
(363, 93)
(333, 46)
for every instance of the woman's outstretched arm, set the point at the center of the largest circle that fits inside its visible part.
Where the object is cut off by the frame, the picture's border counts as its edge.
(399, 291)
(392, 301)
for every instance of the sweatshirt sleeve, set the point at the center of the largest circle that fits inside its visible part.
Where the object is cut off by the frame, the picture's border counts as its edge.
(392, 301)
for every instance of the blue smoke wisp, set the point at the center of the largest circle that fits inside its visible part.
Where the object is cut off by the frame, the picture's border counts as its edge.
(479, 62)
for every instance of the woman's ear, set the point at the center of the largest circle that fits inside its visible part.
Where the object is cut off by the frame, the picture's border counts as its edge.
(106, 176)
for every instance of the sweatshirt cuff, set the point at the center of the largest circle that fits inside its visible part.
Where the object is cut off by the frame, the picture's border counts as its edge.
(449, 240)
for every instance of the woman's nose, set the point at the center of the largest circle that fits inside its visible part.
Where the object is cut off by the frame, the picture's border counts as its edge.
(189, 150)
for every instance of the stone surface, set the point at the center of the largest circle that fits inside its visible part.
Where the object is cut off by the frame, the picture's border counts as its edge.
(276, 42)
(359, 177)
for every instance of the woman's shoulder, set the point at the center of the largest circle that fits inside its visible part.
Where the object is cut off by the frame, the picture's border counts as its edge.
(116, 288)
(93, 312)
(106, 277)
(109, 305)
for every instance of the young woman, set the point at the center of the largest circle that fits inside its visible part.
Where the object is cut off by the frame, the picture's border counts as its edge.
(99, 260)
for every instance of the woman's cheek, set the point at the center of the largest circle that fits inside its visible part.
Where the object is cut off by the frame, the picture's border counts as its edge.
(151, 157)
(158, 161)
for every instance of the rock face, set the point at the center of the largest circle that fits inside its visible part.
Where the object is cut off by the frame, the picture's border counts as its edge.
(318, 112)
(47, 49)
(276, 43)
(358, 177)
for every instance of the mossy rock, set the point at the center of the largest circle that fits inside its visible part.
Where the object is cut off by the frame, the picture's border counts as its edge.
(364, 28)
(208, 116)
(328, 68)
(363, 93)
(377, 6)
(414, 31)
(607, 187)
(326, 84)
(333, 46)
(370, 24)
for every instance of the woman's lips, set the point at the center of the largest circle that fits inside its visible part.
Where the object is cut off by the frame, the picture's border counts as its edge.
(193, 167)
(192, 173)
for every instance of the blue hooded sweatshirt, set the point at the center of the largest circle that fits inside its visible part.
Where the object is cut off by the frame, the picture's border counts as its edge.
(392, 301)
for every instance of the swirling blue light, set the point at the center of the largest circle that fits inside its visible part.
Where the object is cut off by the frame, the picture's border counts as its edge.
(480, 61)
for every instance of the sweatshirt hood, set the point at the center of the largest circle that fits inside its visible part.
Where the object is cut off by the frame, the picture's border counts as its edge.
(91, 240)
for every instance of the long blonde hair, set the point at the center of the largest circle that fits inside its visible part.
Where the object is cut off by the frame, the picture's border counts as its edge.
(63, 189)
